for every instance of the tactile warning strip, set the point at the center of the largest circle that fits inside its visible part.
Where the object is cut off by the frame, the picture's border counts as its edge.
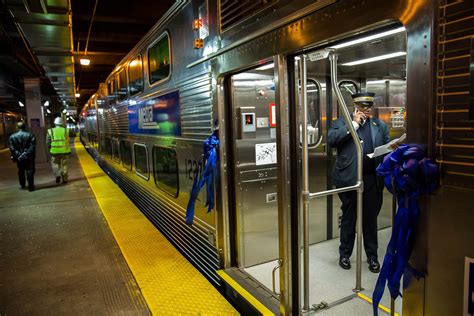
(169, 283)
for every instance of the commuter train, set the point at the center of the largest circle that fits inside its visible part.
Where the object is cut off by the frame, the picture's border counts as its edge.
(251, 70)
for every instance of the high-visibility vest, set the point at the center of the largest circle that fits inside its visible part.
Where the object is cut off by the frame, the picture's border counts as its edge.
(59, 140)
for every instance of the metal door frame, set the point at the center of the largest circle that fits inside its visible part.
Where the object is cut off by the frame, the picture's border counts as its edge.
(286, 218)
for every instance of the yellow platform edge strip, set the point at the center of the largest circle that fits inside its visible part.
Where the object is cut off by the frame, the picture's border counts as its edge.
(369, 300)
(169, 282)
(244, 293)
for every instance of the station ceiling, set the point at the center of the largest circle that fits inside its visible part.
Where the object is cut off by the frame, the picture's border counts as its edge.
(47, 38)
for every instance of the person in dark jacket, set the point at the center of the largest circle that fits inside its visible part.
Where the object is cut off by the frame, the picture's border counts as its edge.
(22, 146)
(373, 132)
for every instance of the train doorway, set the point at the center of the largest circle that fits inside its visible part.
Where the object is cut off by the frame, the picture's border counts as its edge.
(325, 81)
(254, 151)
(323, 78)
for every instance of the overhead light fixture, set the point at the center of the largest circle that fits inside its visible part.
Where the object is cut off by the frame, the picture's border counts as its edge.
(78, 95)
(376, 81)
(64, 111)
(46, 103)
(48, 111)
(265, 67)
(85, 61)
(21, 104)
(376, 58)
(369, 38)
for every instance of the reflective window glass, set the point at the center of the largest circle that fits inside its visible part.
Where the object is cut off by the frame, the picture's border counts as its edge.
(111, 90)
(166, 170)
(141, 160)
(121, 85)
(135, 75)
(115, 150)
(348, 88)
(159, 60)
(126, 151)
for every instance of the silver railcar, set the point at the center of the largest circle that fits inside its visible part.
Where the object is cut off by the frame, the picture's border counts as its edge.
(242, 67)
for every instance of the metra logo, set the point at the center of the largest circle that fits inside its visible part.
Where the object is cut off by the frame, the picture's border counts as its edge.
(145, 117)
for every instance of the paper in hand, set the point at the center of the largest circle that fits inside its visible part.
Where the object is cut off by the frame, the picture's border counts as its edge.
(385, 149)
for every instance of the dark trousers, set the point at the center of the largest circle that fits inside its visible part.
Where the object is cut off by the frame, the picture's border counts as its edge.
(371, 203)
(26, 168)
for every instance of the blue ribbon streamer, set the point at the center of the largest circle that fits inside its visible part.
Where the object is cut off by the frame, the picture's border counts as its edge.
(407, 175)
(206, 177)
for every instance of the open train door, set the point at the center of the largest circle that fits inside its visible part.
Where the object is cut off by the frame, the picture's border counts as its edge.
(324, 80)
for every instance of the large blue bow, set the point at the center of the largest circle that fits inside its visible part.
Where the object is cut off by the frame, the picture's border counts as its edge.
(407, 175)
(207, 177)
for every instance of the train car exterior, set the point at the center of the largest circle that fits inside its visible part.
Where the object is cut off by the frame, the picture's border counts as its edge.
(250, 70)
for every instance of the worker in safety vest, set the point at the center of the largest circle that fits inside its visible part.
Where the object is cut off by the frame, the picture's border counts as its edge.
(57, 140)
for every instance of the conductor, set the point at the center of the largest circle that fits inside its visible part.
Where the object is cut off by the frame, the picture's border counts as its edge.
(373, 132)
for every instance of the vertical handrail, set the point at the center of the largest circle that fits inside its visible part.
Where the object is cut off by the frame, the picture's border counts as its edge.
(305, 191)
(279, 264)
(355, 137)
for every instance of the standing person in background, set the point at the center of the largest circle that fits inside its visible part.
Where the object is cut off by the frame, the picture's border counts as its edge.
(57, 140)
(373, 132)
(22, 146)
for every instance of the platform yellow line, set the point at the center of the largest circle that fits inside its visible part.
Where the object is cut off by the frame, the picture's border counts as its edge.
(170, 283)
(369, 300)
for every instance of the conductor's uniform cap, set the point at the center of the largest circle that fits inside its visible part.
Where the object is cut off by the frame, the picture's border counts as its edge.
(363, 99)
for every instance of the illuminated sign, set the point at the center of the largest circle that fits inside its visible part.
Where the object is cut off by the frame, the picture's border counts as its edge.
(157, 116)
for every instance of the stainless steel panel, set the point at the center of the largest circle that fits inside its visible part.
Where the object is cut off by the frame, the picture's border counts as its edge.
(252, 92)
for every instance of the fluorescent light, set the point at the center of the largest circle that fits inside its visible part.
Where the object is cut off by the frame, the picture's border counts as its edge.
(21, 104)
(64, 111)
(265, 67)
(253, 83)
(46, 103)
(48, 111)
(85, 61)
(376, 58)
(78, 95)
(376, 81)
(369, 38)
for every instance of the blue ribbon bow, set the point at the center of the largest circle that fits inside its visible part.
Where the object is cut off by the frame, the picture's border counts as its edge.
(206, 177)
(407, 175)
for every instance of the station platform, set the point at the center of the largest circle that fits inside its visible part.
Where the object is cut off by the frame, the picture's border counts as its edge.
(84, 248)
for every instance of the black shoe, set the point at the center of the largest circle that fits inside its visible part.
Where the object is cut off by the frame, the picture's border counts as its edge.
(23, 187)
(31, 189)
(58, 179)
(345, 263)
(374, 265)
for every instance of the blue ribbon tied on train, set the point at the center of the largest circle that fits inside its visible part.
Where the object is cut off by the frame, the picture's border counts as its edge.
(408, 175)
(207, 177)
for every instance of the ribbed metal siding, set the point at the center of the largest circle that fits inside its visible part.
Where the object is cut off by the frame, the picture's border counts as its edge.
(235, 11)
(191, 241)
(116, 120)
(454, 129)
(196, 106)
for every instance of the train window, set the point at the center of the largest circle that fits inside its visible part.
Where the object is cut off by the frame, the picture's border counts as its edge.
(122, 85)
(348, 88)
(141, 160)
(107, 148)
(115, 150)
(111, 90)
(126, 152)
(135, 75)
(314, 100)
(159, 60)
(165, 166)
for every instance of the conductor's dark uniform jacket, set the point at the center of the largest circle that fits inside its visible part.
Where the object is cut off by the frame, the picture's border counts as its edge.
(373, 133)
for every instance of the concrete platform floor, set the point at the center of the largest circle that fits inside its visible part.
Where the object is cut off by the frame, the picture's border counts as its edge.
(57, 254)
